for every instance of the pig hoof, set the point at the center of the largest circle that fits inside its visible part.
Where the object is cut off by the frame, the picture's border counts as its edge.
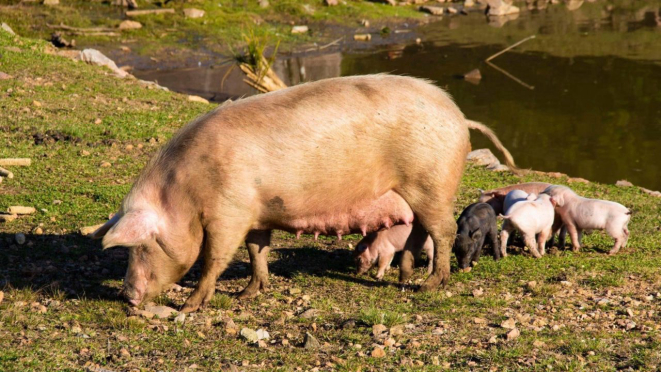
(248, 294)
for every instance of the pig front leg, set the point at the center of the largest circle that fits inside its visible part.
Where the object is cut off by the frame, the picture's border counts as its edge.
(493, 240)
(541, 241)
(222, 241)
(562, 235)
(258, 244)
(384, 264)
(573, 234)
(414, 245)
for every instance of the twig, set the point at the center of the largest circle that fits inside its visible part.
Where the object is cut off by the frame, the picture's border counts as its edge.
(62, 26)
(133, 13)
(510, 47)
(326, 45)
(6, 173)
(511, 76)
(16, 162)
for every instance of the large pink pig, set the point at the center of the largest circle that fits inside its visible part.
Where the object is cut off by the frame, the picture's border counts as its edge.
(283, 160)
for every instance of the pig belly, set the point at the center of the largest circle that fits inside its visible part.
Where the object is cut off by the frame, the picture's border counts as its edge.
(362, 218)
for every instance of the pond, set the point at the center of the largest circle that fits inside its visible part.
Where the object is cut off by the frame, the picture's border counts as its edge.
(582, 98)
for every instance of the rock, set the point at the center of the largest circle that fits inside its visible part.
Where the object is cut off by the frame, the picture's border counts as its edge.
(51, 2)
(20, 238)
(263, 3)
(378, 352)
(299, 29)
(89, 229)
(20, 210)
(451, 10)
(396, 330)
(193, 13)
(378, 329)
(310, 342)
(124, 353)
(145, 314)
(513, 334)
(498, 168)
(623, 183)
(482, 157)
(362, 37)
(249, 335)
(389, 342)
(651, 192)
(478, 292)
(473, 75)
(493, 340)
(130, 25)
(577, 179)
(538, 343)
(105, 164)
(38, 231)
(8, 217)
(262, 334)
(509, 324)
(181, 318)
(499, 8)
(5, 27)
(197, 99)
(566, 283)
(531, 285)
(433, 10)
(4, 76)
(162, 312)
(309, 313)
(469, 3)
(348, 324)
(479, 321)
(294, 291)
(331, 2)
(365, 23)
(94, 57)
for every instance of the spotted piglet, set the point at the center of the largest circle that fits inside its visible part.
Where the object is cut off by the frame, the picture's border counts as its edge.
(475, 227)
(380, 247)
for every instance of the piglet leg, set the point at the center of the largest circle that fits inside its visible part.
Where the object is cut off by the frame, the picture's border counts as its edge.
(541, 241)
(493, 240)
(384, 264)
(573, 234)
(258, 243)
(504, 236)
(532, 245)
(414, 245)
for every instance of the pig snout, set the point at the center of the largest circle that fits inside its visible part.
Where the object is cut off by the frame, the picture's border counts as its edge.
(133, 294)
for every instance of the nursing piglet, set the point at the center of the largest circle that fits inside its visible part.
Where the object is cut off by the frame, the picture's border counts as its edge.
(578, 214)
(496, 197)
(380, 246)
(475, 227)
(532, 218)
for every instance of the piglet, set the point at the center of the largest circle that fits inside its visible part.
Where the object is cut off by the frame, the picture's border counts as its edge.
(578, 214)
(381, 246)
(475, 227)
(532, 217)
(496, 197)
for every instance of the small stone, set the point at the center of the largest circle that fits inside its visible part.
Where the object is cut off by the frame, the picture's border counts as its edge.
(51, 2)
(513, 334)
(501, 8)
(310, 342)
(181, 318)
(493, 340)
(197, 99)
(396, 330)
(20, 238)
(390, 342)
(473, 75)
(38, 231)
(538, 343)
(509, 324)
(262, 334)
(331, 2)
(309, 313)
(478, 292)
(105, 164)
(479, 321)
(5, 27)
(284, 342)
(623, 183)
(378, 329)
(262, 344)
(365, 23)
(130, 25)
(433, 10)
(128, 147)
(378, 352)
(413, 344)
(418, 41)
(264, 3)
(482, 157)
(4, 76)
(531, 285)
(437, 331)
(193, 13)
(299, 29)
(249, 335)
(162, 312)
(451, 10)
(305, 298)
(145, 314)
(124, 353)
(294, 291)
(566, 283)
(84, 153)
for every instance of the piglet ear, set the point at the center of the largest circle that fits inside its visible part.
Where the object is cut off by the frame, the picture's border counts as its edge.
(554, 203)
(132, 229)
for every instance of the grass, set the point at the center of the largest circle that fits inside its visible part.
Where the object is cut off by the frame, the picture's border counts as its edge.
(87, 326)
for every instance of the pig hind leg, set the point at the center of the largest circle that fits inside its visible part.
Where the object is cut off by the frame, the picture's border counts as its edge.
(621, 237)
(493, 240)
(531, 243)
(508, 228)
(542, 237)
(258, 244)
(222, 241)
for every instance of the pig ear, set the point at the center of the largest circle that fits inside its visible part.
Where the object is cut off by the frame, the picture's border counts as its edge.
(132, 229)
(559, 200)
(360, 248)
(101, 231)
(475, 233)
(554, 203)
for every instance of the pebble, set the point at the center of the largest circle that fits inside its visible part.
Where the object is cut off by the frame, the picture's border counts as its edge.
(378, 352)
(310, 342)
(249, 335)
(105, 164)
(513, 334)
(20, 238)
(509, 324)
(299, 29)
(309, 313)
(181, 318)
(378, 329)
(162, 312)
(124, 353)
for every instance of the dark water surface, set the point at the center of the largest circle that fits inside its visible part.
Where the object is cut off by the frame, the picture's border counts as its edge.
(594, 112)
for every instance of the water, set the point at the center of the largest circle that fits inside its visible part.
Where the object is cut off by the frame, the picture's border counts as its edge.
(594, 112)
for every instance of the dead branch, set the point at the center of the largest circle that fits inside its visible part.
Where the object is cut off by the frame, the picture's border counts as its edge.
(21, 162)
(511, 76)
(510, 47)
(134, 13)
(262, 78)
(6, 173)
(64, 27)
